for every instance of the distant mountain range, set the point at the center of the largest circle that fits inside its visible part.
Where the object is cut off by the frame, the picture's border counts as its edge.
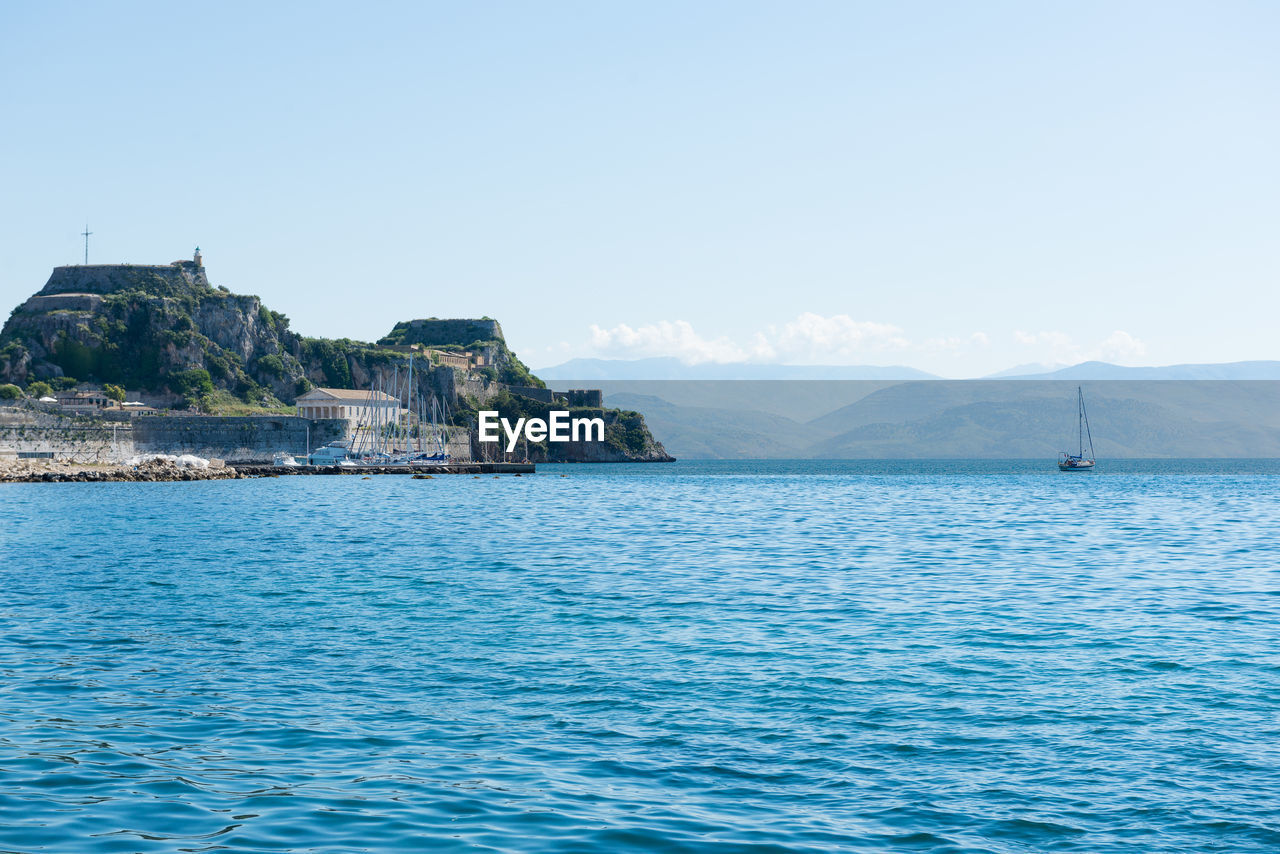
(1026, 370)
(954, 419)
(1263, 370)
(595, 370)
(858, 412)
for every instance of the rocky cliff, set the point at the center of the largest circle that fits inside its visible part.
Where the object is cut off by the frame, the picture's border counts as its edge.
(157, 328)
(149, 328)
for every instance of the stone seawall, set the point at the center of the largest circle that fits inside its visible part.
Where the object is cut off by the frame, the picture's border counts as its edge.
(80, 443)
(233, 438)
(27, 427)
(255, 438)
(87, 439)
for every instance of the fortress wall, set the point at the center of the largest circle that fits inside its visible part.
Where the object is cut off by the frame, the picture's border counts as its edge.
(160, 279)
(233, 438)
(458, 444)
(459, 331)
(67, 302)
(542, 395)
(114, 439)
(78, 443)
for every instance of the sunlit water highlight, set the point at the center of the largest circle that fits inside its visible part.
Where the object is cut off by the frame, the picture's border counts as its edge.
(757, 657)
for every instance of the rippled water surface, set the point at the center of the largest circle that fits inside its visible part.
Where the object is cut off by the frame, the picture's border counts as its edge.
(763, 657)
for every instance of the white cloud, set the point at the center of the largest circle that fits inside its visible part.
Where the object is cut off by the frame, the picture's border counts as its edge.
(1060, 348)
(814, 339)
(839, 339)
(1051, 347)
(665, 338)
(810, 338)
(1120, 346)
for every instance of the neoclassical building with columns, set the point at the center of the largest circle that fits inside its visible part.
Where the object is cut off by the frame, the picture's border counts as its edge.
(352, 405)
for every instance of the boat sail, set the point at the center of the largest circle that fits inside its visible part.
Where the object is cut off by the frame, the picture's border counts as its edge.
(1078, 461)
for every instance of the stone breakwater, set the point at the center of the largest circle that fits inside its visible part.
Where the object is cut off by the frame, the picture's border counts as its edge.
(49, 471)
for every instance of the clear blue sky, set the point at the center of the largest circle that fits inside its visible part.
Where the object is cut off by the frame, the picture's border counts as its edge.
(957, 187)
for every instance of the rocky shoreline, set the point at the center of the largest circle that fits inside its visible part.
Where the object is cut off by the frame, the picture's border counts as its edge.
(62, 471)
(161, 471)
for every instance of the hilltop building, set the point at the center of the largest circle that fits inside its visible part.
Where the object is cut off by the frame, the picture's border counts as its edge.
(461, 359)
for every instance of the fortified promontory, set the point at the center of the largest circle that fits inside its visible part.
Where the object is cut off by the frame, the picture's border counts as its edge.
(167, 333)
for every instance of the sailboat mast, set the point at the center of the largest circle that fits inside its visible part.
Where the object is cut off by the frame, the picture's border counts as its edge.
(1080, 419)
(395, 430)
(435, 425)
(1085, 416)
(379, 439)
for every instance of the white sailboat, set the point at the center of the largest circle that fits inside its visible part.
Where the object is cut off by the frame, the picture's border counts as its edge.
(1068, 461)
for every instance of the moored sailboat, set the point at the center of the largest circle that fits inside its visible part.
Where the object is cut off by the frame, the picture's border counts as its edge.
(1068, 461)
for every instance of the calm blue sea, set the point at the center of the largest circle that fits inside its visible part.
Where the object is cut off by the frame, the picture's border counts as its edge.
(810, 657)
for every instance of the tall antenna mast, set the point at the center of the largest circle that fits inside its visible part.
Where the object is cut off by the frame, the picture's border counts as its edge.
(87, 232)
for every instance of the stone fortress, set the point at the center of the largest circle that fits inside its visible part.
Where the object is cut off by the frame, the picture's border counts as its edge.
(147, 327)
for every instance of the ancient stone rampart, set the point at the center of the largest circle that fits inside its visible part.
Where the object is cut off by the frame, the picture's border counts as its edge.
(157, 279)
(233, 438)
(32, 428)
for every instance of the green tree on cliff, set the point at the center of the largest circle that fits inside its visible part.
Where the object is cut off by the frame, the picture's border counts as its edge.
(39, 389)
(10, 392)
(192, 385)
(114, 392)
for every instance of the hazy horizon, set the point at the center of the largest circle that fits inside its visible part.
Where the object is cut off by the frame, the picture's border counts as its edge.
(670, 368)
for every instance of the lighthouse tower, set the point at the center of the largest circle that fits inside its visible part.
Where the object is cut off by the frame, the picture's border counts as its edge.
(198, 259)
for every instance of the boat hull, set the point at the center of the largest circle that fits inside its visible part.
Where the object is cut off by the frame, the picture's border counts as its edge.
(1084, 465)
